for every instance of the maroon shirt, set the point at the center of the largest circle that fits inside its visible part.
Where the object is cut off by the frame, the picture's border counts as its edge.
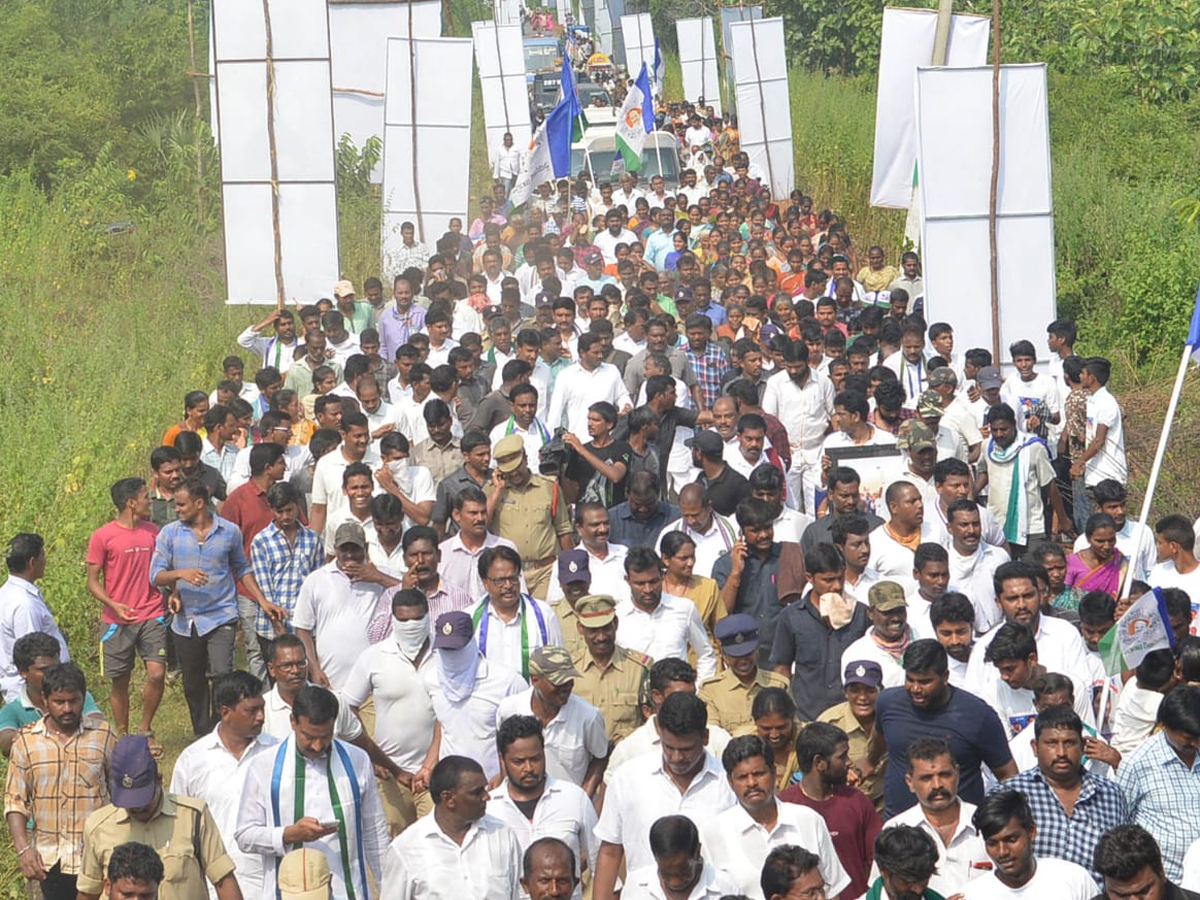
(853, 824)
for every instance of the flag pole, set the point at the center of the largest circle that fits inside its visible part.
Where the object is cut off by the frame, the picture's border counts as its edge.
(1159, 454)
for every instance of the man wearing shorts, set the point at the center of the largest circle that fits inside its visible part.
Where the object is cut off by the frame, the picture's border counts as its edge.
(118, 568)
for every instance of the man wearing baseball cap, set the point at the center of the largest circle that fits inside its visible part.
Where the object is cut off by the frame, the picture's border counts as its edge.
(930, 411)
(889, 634)
(956, 414)
(180, 829)
(919, 441)
(573, 583)
(358, 314)
(731, 694)
(335, 605)
(863, 679)
(576, 740)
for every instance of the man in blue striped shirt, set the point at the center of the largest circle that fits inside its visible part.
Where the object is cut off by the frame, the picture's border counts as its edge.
(201, 557)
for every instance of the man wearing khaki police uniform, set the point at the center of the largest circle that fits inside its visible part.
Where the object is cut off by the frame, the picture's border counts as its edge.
(575, 579)
(180, 829)
(730, 695)
(528, 510)
(610, 676)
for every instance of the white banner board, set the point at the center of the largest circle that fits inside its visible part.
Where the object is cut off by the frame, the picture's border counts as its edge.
(908, 37)
(638, 34)
(602, 32)
(427, 137)
(358, 34)
(763, 105)
(954, 146)
(500, 56)
(288, 142)
(729, 15)
(698, 61)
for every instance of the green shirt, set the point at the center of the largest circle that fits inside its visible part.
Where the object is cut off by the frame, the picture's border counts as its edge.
(21, 712)
(362, 319)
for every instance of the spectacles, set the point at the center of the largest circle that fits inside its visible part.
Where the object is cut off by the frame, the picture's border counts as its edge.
(821, 892)
(505, 580)
(291, 666)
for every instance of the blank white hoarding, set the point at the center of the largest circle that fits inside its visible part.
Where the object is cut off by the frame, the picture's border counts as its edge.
(427, 137)
(698, 61)
(638, 34)
(730, 15)
(907, 43)
(500, 56)
(358, 34)
(954, 146)
(603, 30)
(764, 109)
(274, 112)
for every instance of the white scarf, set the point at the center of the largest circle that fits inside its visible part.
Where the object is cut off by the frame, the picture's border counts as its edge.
(347, 858)
(457, 670)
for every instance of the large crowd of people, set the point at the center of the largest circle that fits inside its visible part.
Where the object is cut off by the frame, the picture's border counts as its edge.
(642, 542)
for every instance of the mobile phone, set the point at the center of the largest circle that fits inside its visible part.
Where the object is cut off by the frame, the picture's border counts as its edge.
(332, 824)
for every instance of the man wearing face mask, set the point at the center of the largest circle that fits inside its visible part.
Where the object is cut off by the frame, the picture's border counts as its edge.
(392, 672)
(315, 790)
(466, 689)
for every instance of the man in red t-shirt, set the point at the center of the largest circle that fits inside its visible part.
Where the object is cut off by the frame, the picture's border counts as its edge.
(823, 755)
(118, 570)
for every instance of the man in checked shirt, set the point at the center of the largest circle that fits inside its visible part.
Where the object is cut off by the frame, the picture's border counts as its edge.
(58, 776)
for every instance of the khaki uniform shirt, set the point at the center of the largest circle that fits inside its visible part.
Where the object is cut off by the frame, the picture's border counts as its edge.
(184, 835)
(614, 690)
(787, 771)
(729, 701)
(532, 517)
(572, 639)
(843, 718)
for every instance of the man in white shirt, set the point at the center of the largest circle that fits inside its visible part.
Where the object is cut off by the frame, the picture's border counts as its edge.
(657, 624)
(684, 778)
(1060, 648)
(1005, 822)
(287, 664)
(933, 777)
(458, 851)
(952, 481)
(712, 534)
(615, 233)
(213, 769)
(510, 624)
(466, 690)
(739, 839)
(1174, 539)
(605, 561)
(279, 351)
(583, 383)
(392, 673)
(973, 562)
(666, 677)
(627, 194)
(337, 605)
(506, 163)
(578, 742)
(895, 541)
(678, 869)
(536, 805)
(802, 400)
(328, 499)
(313, 789)
(22, 608)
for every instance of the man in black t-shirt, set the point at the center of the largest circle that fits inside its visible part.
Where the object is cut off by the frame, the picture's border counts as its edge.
(596, 470)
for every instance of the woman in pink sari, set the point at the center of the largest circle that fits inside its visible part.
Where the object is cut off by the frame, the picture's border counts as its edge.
(1099, 566)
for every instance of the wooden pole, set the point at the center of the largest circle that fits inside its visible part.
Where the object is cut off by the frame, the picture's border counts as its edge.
(992, 197)
(941, 38)
(274, 157)
(199, 116)
(412, 84)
